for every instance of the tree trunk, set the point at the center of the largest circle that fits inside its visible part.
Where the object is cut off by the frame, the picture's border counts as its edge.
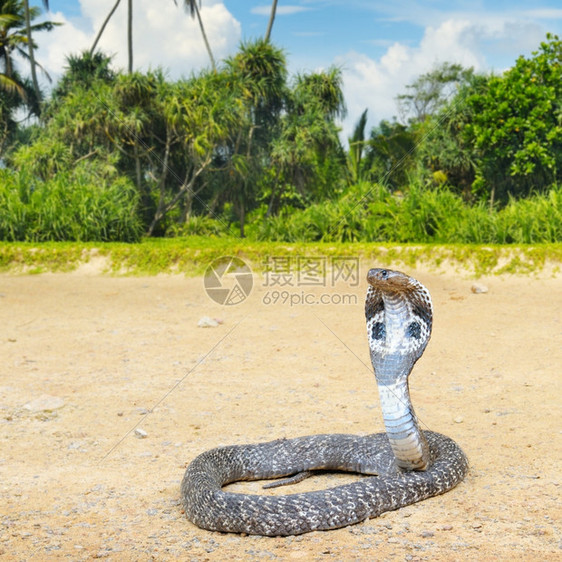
(130, 35)
(492, 197)
(30, 51)
(162, 186)
(213, 64)
(273, 193)
(271, 20)
(187, 187)
(100, 32)
(138, 171)
(188, 206)
(242, 210)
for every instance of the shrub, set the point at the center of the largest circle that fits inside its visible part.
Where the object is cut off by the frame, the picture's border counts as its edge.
(370, 213)
(75, 206)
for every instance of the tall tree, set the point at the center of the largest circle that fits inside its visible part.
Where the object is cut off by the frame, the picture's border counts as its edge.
(327, 88)
(81, 70)
(30, 45)
(193, 8)
(14, 40)
(11, 39)
(103, 25)
(431, 91)
(129, 32)
(261, 72)
(391, 153)
(305, 151)
(271, 20)
(189, 5)
(516, 126)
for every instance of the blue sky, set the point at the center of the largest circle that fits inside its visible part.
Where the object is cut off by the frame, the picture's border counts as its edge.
(380, 45)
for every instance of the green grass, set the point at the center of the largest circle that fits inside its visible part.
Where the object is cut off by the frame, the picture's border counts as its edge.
(434, 216)
(191, 255)
(77, 206)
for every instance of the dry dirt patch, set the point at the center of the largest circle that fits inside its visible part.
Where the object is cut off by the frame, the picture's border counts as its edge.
(77, 481)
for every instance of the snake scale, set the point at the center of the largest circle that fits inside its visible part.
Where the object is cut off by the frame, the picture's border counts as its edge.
(405, 464)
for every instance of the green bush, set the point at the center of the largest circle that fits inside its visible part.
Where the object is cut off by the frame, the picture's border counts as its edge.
(86, 206)
(198, 226)
(73, 207)
(371, 213)
(533, 220)
(15, 208)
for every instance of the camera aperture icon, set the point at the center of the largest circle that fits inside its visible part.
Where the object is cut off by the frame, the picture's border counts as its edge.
(228, 280)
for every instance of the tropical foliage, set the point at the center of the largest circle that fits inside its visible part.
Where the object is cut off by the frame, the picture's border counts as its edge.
(70, 206)
(17, 93)
(221, 142)
(245, 149)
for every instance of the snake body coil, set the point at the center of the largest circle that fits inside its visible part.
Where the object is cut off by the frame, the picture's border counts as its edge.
(407, 465)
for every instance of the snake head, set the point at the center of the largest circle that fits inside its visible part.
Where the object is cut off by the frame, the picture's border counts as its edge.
(399, 318)
(388, 280)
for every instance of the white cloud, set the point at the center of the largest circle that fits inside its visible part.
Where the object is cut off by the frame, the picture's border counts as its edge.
(544, 13)
(374, 84)
(163, 35)
(280, 11)
(57, 44)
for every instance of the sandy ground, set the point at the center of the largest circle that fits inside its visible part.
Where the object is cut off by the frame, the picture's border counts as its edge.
(114, 355)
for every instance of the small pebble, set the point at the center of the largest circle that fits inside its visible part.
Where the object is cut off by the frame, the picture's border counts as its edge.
(478, 288)
(44, 403)
(207, 322)
(458, 419)
(141, 433)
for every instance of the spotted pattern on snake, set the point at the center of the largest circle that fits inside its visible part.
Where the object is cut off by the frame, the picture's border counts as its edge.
(404, 465)
(412, 330)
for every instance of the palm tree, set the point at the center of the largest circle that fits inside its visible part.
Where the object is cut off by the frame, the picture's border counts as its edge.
(190, 5)
(271, 20)
(260, 68)
(16, 38)
(82, 70)
(193, 8)
(11, 39)
(31, 46)
(129, 32)
(326, 88)
(16, 92)
(102, 28)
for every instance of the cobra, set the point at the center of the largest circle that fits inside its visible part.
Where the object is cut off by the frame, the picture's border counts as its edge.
(405, 464)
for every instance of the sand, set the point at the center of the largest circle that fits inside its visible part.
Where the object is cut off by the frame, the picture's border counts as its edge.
(108, 388)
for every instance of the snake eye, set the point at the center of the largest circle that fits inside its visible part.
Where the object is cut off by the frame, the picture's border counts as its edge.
(384, 273)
